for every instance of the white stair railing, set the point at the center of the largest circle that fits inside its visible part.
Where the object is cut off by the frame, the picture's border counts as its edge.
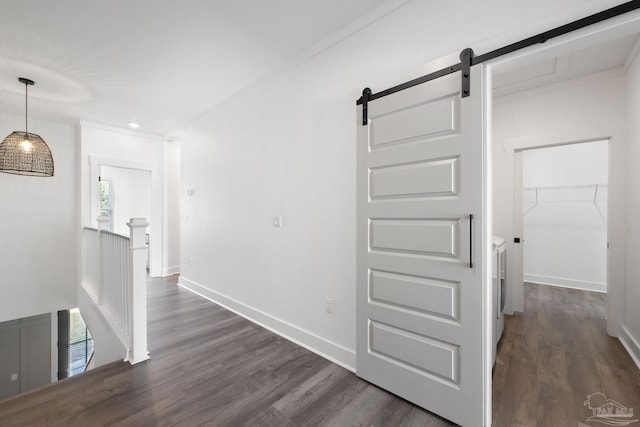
(114, 276)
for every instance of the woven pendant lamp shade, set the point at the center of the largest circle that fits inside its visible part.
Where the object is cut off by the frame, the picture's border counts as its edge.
(24, 153)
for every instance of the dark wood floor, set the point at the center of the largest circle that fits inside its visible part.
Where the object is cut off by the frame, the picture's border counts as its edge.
(211, 367)
(555, 354)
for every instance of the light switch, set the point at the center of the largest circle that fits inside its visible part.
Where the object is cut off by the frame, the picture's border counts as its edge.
(277, 221)
(14, 377)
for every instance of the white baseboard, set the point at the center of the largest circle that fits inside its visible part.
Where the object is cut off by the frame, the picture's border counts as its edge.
(631, 344)
(170, 271)
(321, 346)
(566, 283)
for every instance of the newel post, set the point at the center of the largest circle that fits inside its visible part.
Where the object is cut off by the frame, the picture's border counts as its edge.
(138, 250)
(103, 224)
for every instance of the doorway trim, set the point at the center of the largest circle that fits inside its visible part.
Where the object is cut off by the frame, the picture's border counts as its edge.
(601, 32)
(517, 258)
(155, 218)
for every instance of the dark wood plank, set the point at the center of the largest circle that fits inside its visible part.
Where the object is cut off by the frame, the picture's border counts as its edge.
(211, 367)
(555, 354)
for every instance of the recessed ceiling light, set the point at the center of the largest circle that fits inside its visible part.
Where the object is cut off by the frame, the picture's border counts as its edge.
(134, 125)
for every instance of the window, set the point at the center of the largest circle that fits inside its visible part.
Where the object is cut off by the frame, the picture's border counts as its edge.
(76, 344)
(106, 200)
(80, 343)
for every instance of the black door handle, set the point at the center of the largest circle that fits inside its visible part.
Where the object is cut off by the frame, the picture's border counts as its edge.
(471, 241)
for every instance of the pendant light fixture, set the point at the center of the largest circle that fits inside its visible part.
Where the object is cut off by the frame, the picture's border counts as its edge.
(24, 153)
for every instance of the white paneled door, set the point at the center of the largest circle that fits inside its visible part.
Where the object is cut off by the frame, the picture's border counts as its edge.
(420, 269)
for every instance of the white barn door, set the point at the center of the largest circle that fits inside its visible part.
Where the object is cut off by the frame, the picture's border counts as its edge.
(420, 298)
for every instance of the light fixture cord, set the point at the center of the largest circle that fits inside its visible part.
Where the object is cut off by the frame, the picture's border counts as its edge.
(26, 110)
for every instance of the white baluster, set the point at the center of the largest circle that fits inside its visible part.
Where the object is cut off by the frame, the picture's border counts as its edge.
(103, 222)
(118, 266)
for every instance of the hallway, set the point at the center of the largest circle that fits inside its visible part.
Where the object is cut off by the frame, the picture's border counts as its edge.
(211, 367)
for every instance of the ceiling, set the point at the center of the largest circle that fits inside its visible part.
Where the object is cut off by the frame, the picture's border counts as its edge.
(161, 63)
(611, 55)
(155, 62)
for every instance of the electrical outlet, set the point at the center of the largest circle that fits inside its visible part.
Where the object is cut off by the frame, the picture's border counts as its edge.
(328, 305)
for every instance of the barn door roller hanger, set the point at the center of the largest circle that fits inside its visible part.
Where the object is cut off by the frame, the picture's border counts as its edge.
(467, 58)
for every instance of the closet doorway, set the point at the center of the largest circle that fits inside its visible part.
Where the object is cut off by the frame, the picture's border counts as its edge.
(564, 214)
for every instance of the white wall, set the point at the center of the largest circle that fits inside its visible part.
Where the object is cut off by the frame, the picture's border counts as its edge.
(105, 145)
(630, 333)
(172, 190)
(131, 195)
(286, 146)
(565, 232)
(578, 110)
(573, 164)
(38, 228)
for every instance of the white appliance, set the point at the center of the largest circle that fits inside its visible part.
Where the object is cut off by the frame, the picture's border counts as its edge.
(499, 286)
